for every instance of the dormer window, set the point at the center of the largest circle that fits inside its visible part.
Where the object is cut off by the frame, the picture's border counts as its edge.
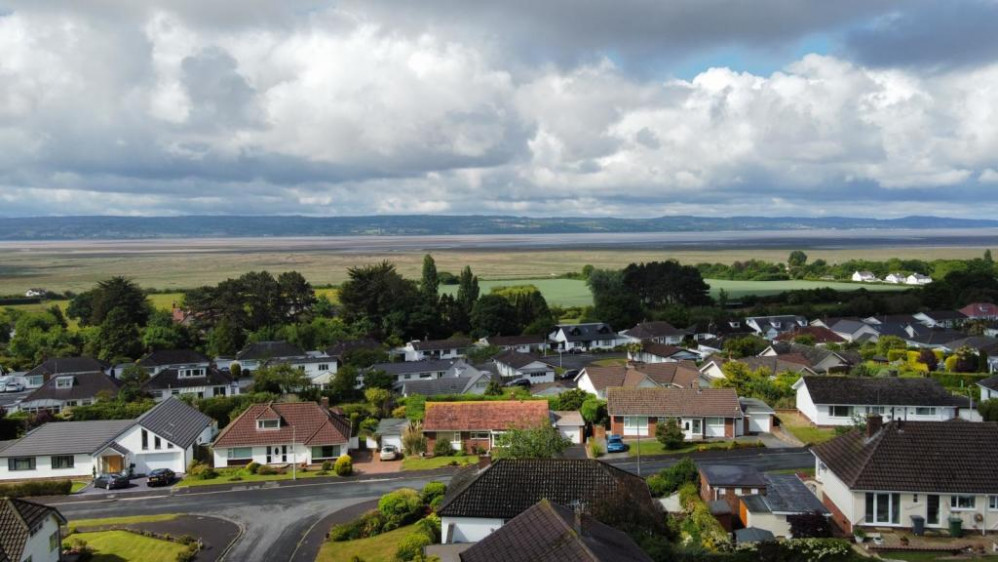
(64, 382)
(191, 373)
(268, 424)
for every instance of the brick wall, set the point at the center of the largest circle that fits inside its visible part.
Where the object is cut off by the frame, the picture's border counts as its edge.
(838, 517)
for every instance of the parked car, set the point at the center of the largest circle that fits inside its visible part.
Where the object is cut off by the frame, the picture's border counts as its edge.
(111, 481)
(389, 453)
(615, 444)
(161, 477)
(525, 383)
(13, 386)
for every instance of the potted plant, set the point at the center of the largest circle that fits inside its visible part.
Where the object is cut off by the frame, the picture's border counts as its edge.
(859, 535)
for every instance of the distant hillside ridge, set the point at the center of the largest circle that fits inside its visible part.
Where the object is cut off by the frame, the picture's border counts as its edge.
(230, 226)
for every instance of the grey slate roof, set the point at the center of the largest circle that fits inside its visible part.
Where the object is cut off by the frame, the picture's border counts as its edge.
(753, 534)
(67, 438)
(516, 359)
(754, 405)
(990, 382)
(176, 421)
(587, 332)
(62, 365)
(650, 330)
(785, 493)
(391, 426)
(414, 366)
(269, 350)
(443, 385)
(163, 357)
(170, 378)
(85, 386)
(17, 518)
(887, 391)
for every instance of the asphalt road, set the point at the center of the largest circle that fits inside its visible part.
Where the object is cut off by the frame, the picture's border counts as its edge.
(275, 518)
(8, 398)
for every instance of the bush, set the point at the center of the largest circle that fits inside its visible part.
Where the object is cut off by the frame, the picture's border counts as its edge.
(429, 526)
(201, 471)
(669, 434)
(436, 503)
(400, 507)
(343, 466)
(442, 448)
(367, 525)
(267, 470)
(327, 466)
(431, 491)
(37, 488)
(253, 467)
(412, 546)
(594, 449)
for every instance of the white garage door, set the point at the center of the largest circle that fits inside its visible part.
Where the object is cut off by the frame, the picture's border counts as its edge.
(715, 427)
(759, 423)
(392, 440)
(145, 463)
(573, 434)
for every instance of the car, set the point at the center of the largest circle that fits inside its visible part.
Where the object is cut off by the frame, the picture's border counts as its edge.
(389, 453)
(161, 477)
(525, 383)
(615, 444)
(111, 481)
(13, 386)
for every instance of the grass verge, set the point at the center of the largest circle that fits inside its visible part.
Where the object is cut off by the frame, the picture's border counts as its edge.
(804, 431)
(241, 475)
(909, 556)
(651, 446)
(115, 546)
(77, 486)
(380, 548)
(82, 523)
(416, 463)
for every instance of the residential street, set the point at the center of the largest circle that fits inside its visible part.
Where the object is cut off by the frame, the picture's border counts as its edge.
(276, 518)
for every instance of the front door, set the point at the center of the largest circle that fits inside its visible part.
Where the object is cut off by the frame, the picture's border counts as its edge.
(696, 428)
(114, 464)
(932, 510)
(268, 455)
(284, 453)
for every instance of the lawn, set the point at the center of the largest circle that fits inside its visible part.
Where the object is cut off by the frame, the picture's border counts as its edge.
(77, 486)
(117, 546)
(416, 463)
(562, 292)
(807, 471)
(651, 446)
(226, 475)
(803, 430)
(611, 362)
(380, 548)
(81, 523)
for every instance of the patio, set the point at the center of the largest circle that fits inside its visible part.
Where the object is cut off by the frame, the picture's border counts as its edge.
(968, 546)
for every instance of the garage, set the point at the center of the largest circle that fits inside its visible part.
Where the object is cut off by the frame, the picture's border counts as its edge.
(149, 462)
(714, 427)
(570, 425)
(760, 423)
(758, 415)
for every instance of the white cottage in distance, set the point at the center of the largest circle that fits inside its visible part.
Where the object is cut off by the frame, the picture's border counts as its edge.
(864, 277)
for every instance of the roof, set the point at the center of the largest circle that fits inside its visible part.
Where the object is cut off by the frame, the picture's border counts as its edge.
(673, 402)
(943, 315)
(753, 534)
(170, 378)
(586, 332)
(651, 330)
(487, 414)
(680, 374)
(302, 422)
(887, 391)
(806, 354)
(980, 310)
(849, 326)
(402, 368)
(269, 350)
(513, 341)
(69, 438)
(17, 519)
(990, 382)
(779, 364)
(785, 493)
(176, 421)
(754, 405)
(662, 349)
(732, 476)
(85, 385)
(719, 507)
(567, 418)
(955, 457)
(516, 359)
(163, 357)
(62, 365)
(430, 345)
(509, 487)
(820, 334)
(444, 385)
(985, 343)
(338, 349)
(391, 425)
(550, 532)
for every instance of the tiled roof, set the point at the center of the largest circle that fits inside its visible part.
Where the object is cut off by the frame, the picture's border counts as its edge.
(304, 422)
(481, 415)
(778, 364)
(176, 421)
(516, 359)
(269, 350)
(990, 382)
(513, 341)
(549, 532)
(587, 332)
(680, 374)
(61, 365)
(673, 402)
(17, 518)
(985, 343)
(163, 357)
(753, 534)
(85, 386)
(661, 349)
(955, 457)
(412, 367)
(509, 487)
(170, 378)
(819, 333)
(567, 418)
(650, 330)
(391, 425)
(732, 475)
(887, 391)
(79, 437)
(432, 345)
(942, 315)
(445, 385)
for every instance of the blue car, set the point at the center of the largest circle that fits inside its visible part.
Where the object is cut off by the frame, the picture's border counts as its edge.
(615, 444)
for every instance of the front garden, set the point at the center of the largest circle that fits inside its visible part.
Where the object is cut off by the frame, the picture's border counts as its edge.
(200, 474)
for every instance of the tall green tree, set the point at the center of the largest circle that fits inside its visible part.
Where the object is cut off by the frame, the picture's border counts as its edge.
(297, 296)
(658, 284)
(430, 283)
(541, 442)
(280, 379)
(118, 336)
(380, 295)
(797, 259)
(467, 290)
(493, 315)
(226, 338)
(91, 308)
(613, 301)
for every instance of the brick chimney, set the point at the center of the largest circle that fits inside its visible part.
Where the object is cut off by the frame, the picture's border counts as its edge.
(325, 402)
(873, 424)
(484, 461)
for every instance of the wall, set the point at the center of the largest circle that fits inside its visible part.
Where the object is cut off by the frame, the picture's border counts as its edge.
(805, 405)
(835, 495)
(37, 548)
(467, 529)
(776, 524)
(83, 466)
(304, 455)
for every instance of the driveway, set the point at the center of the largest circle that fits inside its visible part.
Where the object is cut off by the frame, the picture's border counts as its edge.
(369, 462)
(134, 485)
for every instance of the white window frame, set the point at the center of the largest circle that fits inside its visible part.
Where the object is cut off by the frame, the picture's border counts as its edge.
(876, 410)
(479, 436)
(832, 414)
(891, 516)
(264, 424)
(992, 503)
(931, 410)
(955, 501)
(230, 453)
(633, 426)
(64, 382)
(192, 373)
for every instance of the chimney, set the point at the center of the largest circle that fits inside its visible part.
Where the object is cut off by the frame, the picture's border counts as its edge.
(484, 461)
(325, 402)
(873, 424)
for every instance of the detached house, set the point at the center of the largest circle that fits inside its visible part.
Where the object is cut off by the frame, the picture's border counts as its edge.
(30, 531)
(817, 359)
(468, 381)
(828, 401)
(201, 381)
(522, 344)
(886, 474)
(701, 413)
(655, 332)
(652, 352)
(283, 433)
(768, 327)
(468, 425)
(864, 277)
(513, 365)
(257, 354)
(584, 337)
(163, 359)
(785, 496)
(436, 349)
(68, 390)
(420, 370)
(989, 388)
(596, 379)
(36, 377)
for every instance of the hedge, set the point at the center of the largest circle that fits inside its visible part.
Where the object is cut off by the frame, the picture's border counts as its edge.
(37, 488)
(959, 380)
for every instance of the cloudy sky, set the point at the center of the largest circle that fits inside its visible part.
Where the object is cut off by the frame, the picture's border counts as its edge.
(638, 108)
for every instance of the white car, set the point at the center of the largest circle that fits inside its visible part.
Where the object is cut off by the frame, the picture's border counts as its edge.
(13, 386)
(389, 453)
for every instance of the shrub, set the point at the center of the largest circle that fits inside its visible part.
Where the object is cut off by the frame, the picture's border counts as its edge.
(235, 478)
(436, 503)
(429, 526)
(442, 448)
(670, 479)
(431, 491)
(412, 546)
(669, 434)
(400, 507)
(327, 466)
(37, 488)
(267, 470)
(594, 449)
(253, 467)
(343, 466)
(201, 471)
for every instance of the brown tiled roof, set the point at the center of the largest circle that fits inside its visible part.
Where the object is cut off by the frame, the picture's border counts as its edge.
(954, 457)
(17, 518)
(682, 374)
(305, 422)
(672, 402)
(500, 414)
(549, 532)
(779, 364)
(820, 334)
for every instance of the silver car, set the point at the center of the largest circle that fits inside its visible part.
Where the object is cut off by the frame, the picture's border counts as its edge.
(13, 386)
(389, 453)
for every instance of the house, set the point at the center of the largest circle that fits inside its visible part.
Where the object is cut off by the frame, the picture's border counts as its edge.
(702, 413)
(201, 381)
(655, 332)
(163, 437)
(864, 277)
(854, 330)
(917, 279)
(318, 367)
(728, 482)
(257, 354)
(419, 370)
(820, 334)
(989, 388)
(467, 381)
(704, 332)
(829, 401)
(513, 365)
(889, 472)
(570, 425)
(711, 369)
(163, 359)
(785, 496)
(652, 352)
(584, 337)
(69, 390)
(818, 360)
(595, 379)
(281, 433)
(468, 425)
(521, 344)
(768, 327)
(551, 531)
(895, 278)
(756, 415)
(36, 377)
(390, 431)
(780, 364)
(981, 311)
(435, 349)
(941, 318)
(479, 501)
(30, 531)
(35, 293)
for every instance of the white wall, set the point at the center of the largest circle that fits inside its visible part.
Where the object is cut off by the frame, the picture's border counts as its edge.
(583, 382)
(987, 393)
(304, 454)
(838, 493)
(169, 455)
(776, 524)
(37, 548)
(82, 466)
(467, 529)
(805, 405)
(574, 434)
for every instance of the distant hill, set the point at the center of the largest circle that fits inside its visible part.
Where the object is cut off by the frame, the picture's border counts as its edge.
(123, 228)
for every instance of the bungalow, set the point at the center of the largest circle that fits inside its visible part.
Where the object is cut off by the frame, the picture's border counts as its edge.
(854, 330)
(419, 370)
(36, 377)
(318, 367)
(596, 379)
(257, 354)
(780, 364)
(769, 327)
(895, 278)
(201, 381)
(819, 360)
(886, 474)
(989, 388)
(917, 279)
(468, 381)
(31, 531)
(163, 359)
(468, 425)
(521, 344)
(941, 318)
(785, 497)
(829, 401)
(652, 352)
(283, 433)
(864, 277)
(479, 501)
(702, 413)
(163, 437)
(69, 390)
(435, 349)
(513, 365)
(584, 337)
(981, 311)
(655, 332)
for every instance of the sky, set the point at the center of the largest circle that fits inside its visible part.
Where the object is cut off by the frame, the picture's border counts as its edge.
(630, 108)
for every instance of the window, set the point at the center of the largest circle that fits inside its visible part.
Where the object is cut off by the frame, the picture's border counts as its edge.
(993, 503)
(20, 463)
(268, 424)
(325, 452)
(883, 508)
(479, 435)
(635, 425)
(239, 453)
(157, 442)
(191, 373)
(323, 366)
(840, 411)
(54, 540)
(914, 498)
(63, 461)
(169, 445)
(145, 440)
(721, 491)
(218, 391)
(957, 503)
(425, 375)
(872, 410)
(925, 411)
(64, 382)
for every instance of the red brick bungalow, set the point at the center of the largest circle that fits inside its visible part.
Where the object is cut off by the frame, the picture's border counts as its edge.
(477, 424)
(702, 413)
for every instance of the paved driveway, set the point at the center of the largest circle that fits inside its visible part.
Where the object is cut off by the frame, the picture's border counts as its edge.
(134, 485)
